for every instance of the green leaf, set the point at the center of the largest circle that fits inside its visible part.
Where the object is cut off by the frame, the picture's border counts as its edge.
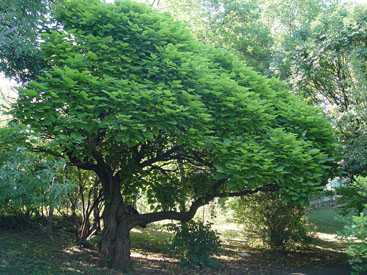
(31, 93)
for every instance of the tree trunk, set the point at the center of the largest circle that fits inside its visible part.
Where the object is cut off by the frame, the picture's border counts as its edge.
(50, 221)
(122, 258)
(114, 247)
(96, 215)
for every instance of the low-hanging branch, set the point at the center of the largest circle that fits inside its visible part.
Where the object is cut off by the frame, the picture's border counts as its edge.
(185, 216)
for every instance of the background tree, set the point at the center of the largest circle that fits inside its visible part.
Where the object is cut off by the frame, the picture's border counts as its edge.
(233, 25)
(327, 67)
(129, 95)
(20, 26)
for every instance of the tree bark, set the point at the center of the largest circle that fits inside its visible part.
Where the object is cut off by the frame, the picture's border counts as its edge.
(96, 213)
(114, 247)
(122, 258)
(50, 221)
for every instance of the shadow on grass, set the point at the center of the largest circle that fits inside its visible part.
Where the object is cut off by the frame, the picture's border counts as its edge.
(31, 252)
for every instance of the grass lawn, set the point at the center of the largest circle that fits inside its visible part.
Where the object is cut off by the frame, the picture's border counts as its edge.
(31, 252)
(326, 220)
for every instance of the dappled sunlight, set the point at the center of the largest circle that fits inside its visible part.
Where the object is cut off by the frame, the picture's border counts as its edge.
(136, 230)
(329, 242)
(72, 250)
(71, 269)
(152, 256)
(227, 226)
(326, 236)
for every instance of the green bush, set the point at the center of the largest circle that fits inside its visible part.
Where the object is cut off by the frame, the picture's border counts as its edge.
(354, 211)
(354, 195)
(28, 182)
(278, 223)
(194, 243)
(357, 230)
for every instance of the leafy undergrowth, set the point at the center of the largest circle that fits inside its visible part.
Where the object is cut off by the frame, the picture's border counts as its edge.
(31, 252)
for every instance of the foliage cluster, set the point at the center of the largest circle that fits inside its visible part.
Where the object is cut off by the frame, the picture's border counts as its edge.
(233, 25)
(279, 224)
(20, 26)
(355, 197)
(357, 229)
(128, 94)
(33, 185)
(29, 181)
(193, 243)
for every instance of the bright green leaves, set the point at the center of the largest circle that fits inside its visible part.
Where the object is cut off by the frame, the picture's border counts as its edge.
(28, 92)
(128, 87)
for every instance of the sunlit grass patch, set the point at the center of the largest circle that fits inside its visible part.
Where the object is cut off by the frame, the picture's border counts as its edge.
(31, 252)
(326, 219)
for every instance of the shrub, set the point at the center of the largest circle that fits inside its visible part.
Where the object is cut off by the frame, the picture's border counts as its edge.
(357, 230)
(278, 223)
(355, 199)
(354, 195)
(28, 181)
(194, 243)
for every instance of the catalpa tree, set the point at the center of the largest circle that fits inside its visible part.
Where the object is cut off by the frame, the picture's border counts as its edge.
(127, 93)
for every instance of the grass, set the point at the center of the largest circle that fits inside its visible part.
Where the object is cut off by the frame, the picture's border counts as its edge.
(29, 251)
(326, 220)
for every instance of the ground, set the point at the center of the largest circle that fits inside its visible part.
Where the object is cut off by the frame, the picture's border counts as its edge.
(31, 252)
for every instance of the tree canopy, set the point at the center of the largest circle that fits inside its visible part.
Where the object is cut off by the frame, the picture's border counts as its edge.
(129, 94)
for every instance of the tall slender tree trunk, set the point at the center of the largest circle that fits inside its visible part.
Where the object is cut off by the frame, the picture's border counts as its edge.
(96, 214)
(50, 220)
(74, 217)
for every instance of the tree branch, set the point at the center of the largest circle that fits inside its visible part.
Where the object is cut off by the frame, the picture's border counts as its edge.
(85, 165)
(49, 152)
(162, 157)
(185, 216)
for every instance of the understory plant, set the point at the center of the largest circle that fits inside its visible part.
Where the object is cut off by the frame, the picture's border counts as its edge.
(29, 182)
(193, 244)
(278, 223)
(355, 210)
(354, 195)
(356, 232)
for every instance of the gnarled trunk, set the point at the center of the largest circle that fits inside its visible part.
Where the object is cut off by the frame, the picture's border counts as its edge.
(119, 219)
(114, 247)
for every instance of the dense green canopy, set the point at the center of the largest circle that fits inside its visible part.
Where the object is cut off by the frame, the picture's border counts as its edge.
(131, 86)
(129, 94)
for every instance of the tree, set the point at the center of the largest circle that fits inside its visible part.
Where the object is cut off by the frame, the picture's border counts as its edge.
(285, 17)
(128, 94)
(20, 25)
(328, 68)
(233, 25)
